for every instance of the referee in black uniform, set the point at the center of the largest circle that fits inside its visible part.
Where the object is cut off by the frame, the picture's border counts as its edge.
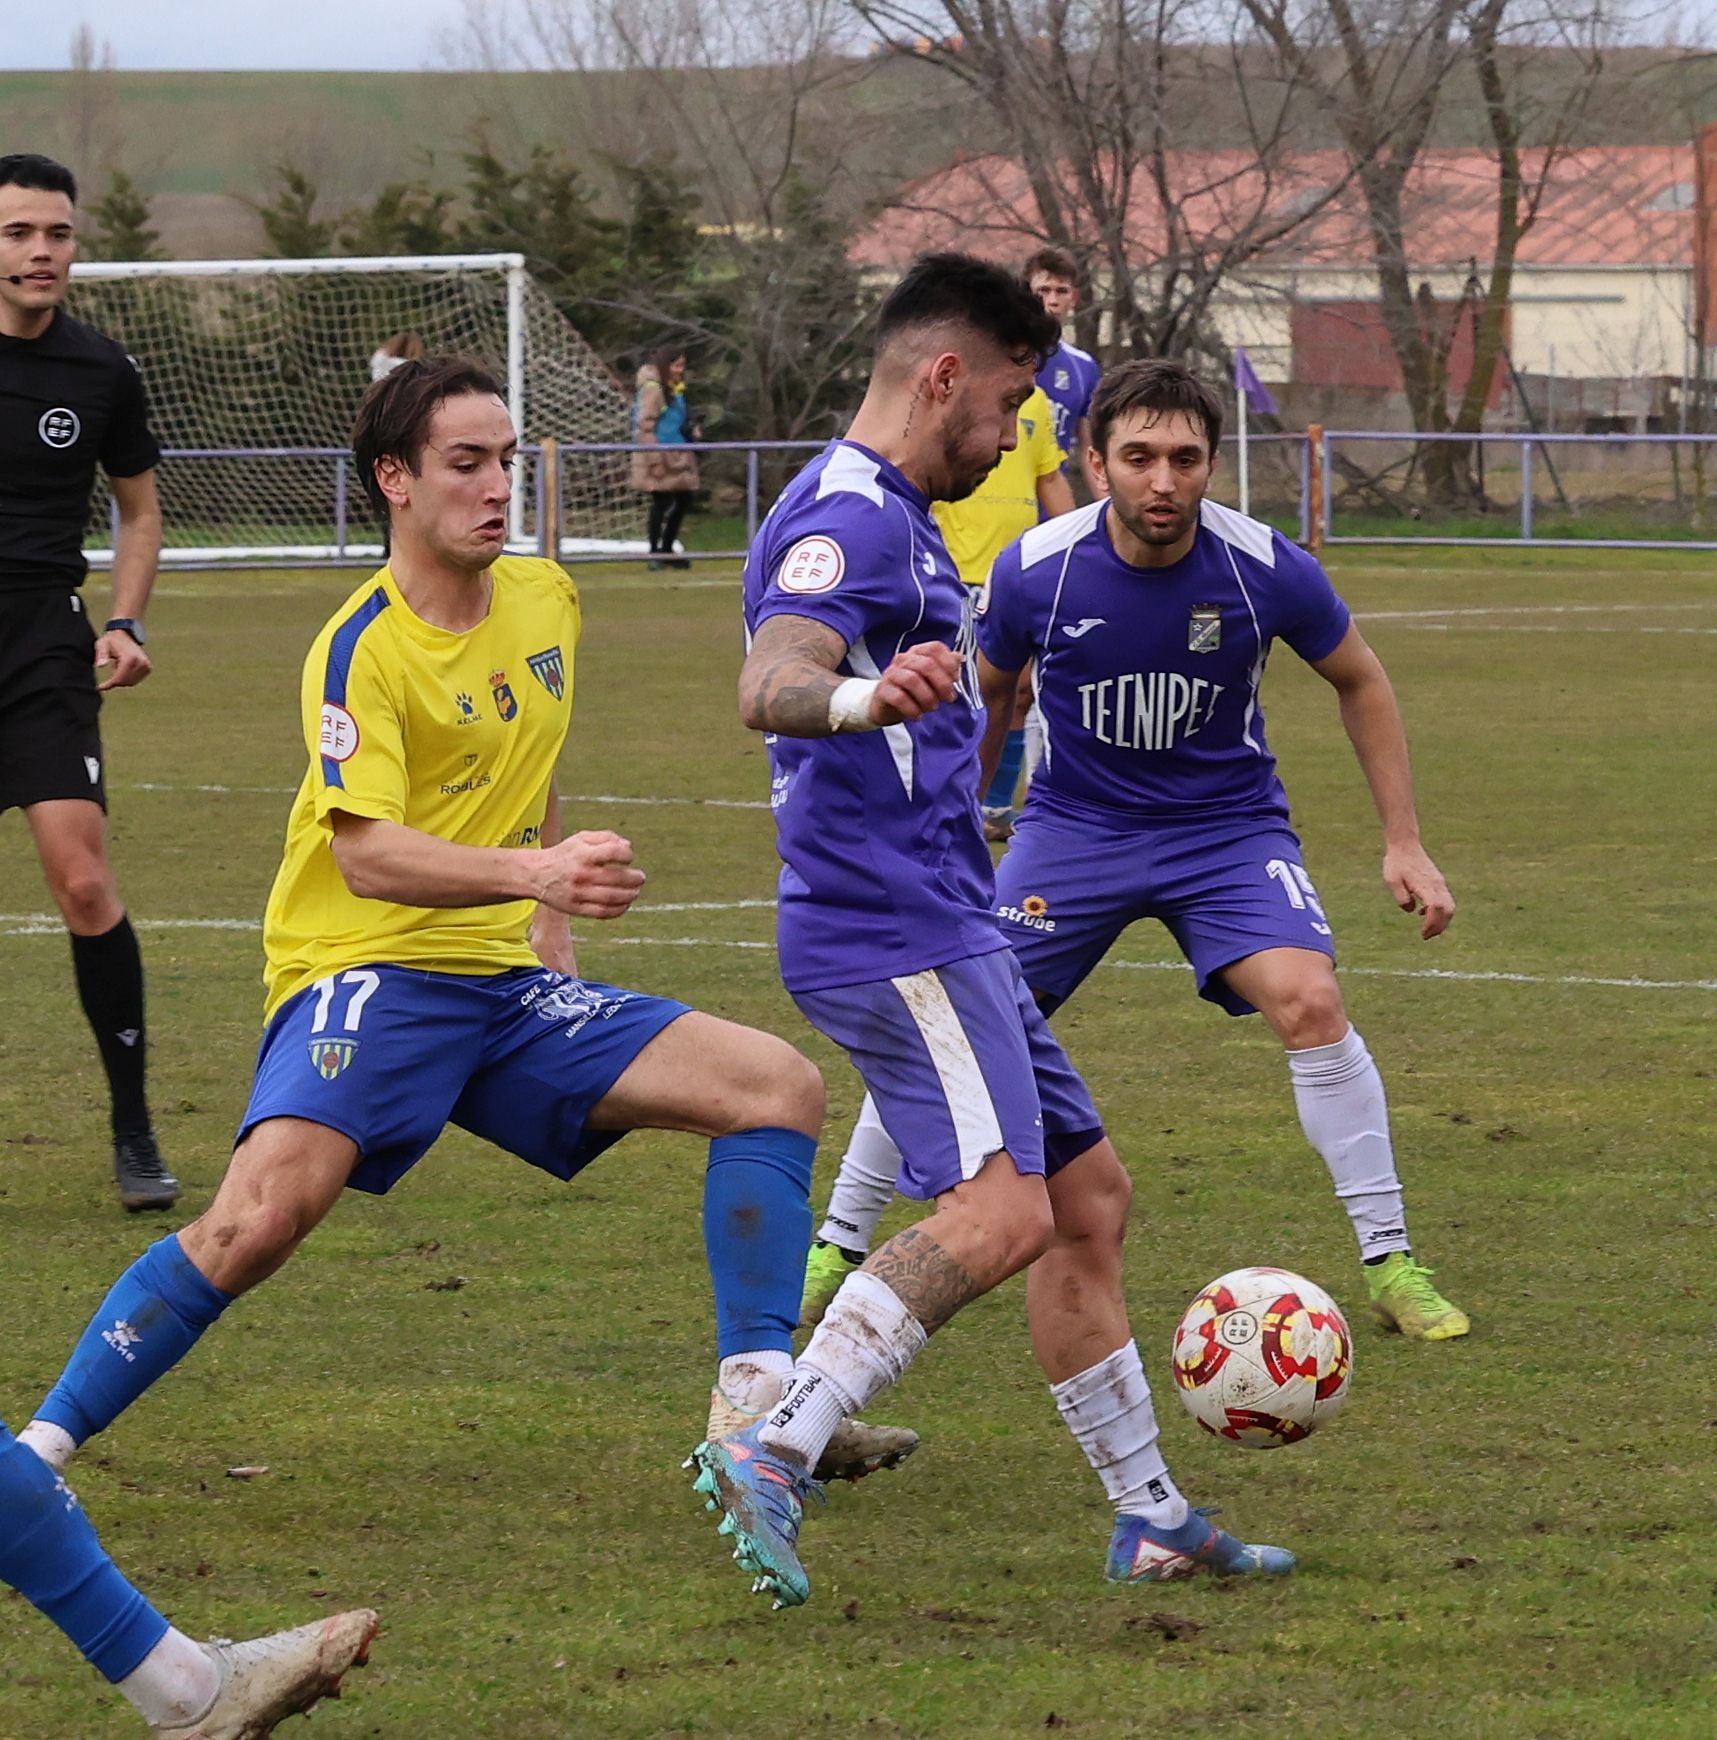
(70, 399)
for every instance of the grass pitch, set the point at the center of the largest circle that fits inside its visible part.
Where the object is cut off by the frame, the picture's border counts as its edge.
(472, 1396)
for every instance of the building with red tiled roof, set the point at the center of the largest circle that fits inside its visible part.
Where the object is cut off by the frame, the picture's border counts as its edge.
(1604, 286)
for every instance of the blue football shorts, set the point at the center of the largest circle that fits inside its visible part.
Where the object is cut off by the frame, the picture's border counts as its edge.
(391, 1055)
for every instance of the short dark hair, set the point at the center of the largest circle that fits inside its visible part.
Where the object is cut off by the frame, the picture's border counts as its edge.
(961, 288)
(1156, 384)
(32, 169)
(394, 417)
(1050, 263)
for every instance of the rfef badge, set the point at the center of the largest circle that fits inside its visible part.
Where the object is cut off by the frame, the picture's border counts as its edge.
(1204, 629)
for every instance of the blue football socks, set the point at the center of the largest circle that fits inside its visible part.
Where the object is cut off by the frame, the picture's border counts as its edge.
(49, 1554)
(1000, 796)
(757, 1229)
(148, 1322)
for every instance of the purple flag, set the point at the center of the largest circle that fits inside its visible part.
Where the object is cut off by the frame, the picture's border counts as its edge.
(1246, 381)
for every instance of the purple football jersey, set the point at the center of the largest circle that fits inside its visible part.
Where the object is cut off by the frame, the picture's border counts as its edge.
(884, 867)
(1069, 377)
(1148, 678)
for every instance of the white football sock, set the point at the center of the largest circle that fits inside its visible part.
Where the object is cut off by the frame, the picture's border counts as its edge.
(753, 1382)
(861, 1347)
(175, 1683)
(1346, 1118)
(864, 1186)
(1108, 1410)
(53, 1444)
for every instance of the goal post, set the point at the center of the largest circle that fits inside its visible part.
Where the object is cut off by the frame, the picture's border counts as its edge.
(255, 367)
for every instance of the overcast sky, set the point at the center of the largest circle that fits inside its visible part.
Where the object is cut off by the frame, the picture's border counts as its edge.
(147, 35)
(397, 35)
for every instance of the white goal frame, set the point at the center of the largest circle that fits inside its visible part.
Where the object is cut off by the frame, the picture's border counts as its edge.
(510, 267)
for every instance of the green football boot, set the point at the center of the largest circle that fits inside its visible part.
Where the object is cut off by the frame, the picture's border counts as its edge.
(825, 1268)
(1402, 1298)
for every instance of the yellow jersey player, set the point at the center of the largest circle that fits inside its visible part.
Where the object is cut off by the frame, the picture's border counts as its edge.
(1027, 485)
(420, 965)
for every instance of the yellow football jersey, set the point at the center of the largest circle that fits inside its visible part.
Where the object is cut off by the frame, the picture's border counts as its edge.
(1004, 506)
(453, 734)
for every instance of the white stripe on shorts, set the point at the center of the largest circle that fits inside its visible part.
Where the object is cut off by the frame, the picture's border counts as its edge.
(977, 1129)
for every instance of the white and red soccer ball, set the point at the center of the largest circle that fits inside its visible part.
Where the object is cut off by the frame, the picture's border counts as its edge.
(1262, 1357)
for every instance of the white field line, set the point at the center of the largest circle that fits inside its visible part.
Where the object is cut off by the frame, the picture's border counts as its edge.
(1634, 607)
(47, 924)
(1543, 628)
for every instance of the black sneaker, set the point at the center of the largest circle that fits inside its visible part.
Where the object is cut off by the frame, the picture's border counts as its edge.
(140, 1173)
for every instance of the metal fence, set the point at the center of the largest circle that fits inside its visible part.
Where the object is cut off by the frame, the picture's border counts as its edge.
(302, 505)
(1610, 491)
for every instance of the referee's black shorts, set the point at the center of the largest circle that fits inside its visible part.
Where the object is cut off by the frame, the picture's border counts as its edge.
(50, 741)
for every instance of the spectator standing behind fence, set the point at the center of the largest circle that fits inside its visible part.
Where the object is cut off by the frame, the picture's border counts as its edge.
(403, 347)
(662, 419)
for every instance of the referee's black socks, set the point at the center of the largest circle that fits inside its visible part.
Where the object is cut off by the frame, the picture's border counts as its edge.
(109, 972)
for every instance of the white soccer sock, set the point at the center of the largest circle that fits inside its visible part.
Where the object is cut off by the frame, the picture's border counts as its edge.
(863, 1345)
(54, 1444)
(1346, 1118)
(1035, 740)
(176, 1683)
(753, 1382)
(1108, 1410)
(864, 1186)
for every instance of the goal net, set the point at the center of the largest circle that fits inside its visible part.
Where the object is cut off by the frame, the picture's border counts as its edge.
(255, 367)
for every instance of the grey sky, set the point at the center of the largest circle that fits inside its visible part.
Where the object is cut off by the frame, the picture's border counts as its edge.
(396, 35)
(148, 35)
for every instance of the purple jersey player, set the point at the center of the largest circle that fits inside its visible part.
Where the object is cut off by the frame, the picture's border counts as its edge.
(1147, 620)
(861, 668)
(1068, 375)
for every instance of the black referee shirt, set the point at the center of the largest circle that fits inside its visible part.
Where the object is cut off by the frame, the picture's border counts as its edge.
(68, 400)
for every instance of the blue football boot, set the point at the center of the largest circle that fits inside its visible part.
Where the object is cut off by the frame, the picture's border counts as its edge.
(1141, 1553)
(763, 1498)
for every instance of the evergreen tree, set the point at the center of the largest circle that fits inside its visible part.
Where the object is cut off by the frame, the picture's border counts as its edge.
(122, 230)
(545, 211)
(289, 219)
(408, 217)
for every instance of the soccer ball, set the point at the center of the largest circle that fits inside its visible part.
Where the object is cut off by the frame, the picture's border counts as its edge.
(1261, 1357)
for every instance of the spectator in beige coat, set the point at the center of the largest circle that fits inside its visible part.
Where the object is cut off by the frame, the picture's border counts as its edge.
(668, 474)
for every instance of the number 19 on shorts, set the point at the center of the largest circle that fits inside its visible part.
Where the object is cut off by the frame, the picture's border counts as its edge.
(1297, 886)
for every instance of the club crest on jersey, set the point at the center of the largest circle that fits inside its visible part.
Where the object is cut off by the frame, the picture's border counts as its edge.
(330, 1056)
(505, 702)
(1204, 629)
(550, 670)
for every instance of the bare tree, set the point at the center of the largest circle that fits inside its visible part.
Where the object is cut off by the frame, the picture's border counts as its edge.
(1378, 72)
(754, 102)
(91, 121)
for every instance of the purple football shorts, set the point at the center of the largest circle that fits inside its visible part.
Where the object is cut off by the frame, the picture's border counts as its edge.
(962, 1065)
(1065, 892)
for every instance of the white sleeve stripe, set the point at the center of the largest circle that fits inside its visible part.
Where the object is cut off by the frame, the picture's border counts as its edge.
(898, 738)
(977, 1128)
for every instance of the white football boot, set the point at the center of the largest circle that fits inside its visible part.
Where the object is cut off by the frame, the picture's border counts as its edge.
(270, 1678)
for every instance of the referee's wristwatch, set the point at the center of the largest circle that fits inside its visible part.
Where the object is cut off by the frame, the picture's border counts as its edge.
(131, 626)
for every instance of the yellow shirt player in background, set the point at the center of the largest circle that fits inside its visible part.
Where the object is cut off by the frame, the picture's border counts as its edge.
(1027, 486)
(420, 964)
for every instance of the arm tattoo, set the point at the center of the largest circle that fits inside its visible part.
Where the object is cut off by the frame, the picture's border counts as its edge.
(789, 675)
(925, 1279)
